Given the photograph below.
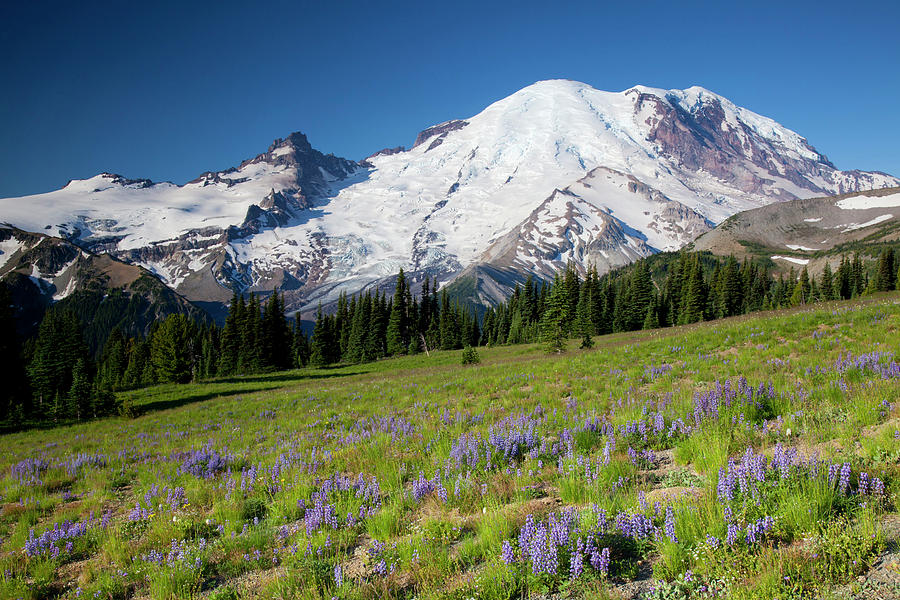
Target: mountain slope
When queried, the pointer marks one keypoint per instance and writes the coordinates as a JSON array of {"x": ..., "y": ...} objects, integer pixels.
[
  {"x": 557, "y": 171},
  {"x": 41, "y": 271},
  {"x": 810, "y": 231}
]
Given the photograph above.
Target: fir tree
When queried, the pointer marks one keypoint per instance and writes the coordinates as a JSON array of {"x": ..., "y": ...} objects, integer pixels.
[
  {"x": 58, "y": 347},
  {"x": 884, "y": 278},
  {"x": 695, "y": 294},
  {"x": 398, "y": 323},
  {"x": 80, "y": 393},
  {"x": 827, "y": 285},
  {"x": 553, "y": 321},
  {"x": 173, "y": 348},
  {"x": 300, "y": 346},
  {"x": 583, "y": 311},
  {"x": 231, "y": 337}
]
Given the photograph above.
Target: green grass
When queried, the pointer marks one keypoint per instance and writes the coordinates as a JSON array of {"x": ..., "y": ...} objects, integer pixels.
[{"x": 292, "y": 438}]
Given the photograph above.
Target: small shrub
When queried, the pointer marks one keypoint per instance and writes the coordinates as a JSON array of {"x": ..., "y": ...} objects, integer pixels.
[{"x": 470, "y": 356}]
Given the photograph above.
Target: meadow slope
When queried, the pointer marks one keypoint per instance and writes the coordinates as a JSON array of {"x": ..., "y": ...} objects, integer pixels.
[{"x": 753, "y": 457}]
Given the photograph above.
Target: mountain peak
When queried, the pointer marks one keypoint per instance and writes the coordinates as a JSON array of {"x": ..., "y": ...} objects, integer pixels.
[{"x": 295, "y": 142}]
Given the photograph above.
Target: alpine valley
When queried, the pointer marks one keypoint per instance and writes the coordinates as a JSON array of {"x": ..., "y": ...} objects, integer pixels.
[{"x": 558, "y": 172}]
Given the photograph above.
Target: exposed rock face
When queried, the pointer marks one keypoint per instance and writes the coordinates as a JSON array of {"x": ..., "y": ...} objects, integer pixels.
[
  {"x": 437, "y": 133},
  {"x": 556, "y": 172},
  {"x": 578, "y": 225}
]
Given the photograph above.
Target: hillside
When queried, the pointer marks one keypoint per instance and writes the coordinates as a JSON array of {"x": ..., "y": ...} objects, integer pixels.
[
  {"x": 104, "y": 292},
  {"x": 751, "y": 457},
  {"x": 809, "y": 231}
]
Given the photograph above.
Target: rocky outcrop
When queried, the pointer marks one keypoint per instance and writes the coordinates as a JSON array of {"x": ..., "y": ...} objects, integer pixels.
[{"x": 437, "y": 133}]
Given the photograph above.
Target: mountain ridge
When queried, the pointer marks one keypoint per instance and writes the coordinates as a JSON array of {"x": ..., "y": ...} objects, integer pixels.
[{"x": 557, "y": 171}]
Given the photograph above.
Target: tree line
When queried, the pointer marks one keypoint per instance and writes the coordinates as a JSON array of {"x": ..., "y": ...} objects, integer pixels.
[
  {"x": 669, "y": 289},
  {"x": 55, "y": 377}
]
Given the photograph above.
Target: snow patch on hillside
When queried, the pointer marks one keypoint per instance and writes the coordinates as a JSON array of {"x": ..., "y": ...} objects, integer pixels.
[
  {"x": 793, "y": 259},
  {"x": 866, "y": 202},
  {"x": 875, "y": 221}
]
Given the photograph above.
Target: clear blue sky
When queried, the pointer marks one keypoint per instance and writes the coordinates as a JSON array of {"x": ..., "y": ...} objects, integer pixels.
[{"x": 169, "y": 90}]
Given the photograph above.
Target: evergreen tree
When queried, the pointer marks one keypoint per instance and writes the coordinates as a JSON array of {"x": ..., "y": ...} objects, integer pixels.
[
  {"x": 113, "y": 361},
  {"x": 553, "y": 321},
  {"x": 583, "y": 310},
  {"x": 276, "y": 336},
  {"x": 398, "y": 323},
  {"x": 139, "y": 370},
  {"x": 231, "y": 337},
  {"x": 827, "y": 285},
  {"x": 80, "y": 393},
  {"x": 58, "y": 347},
  {"x": 173, "y": 349},
  {"x": 321, "y": 352},
  {"x": 651, "y": 321},
  {"x": 695, "y": 294},
  {"x": 884, "y": 278},
  {"x": 301, "y": 349},
  {"x": 731, "y": 289},
  {"x": 641, "y": 294}
]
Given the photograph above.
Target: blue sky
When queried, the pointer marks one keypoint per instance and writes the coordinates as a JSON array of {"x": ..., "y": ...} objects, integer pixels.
[{"x": 169, "y": 90}]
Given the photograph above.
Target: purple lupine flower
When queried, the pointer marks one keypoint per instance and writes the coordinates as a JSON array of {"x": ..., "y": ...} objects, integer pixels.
[
  {"x": 507, "y": 554},
  {"x": 602, "y": 564},
  {"x": 577, "y": 566},
  {"x": 670, "y": 524},
  {"x": 863, "y": 484},
  {"x": 845, "y": 479},
  {"x": 731, "y": 534}
]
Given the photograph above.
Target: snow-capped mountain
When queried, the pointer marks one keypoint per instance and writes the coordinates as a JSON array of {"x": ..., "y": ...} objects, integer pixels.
[{"x": 557, "y": 171}]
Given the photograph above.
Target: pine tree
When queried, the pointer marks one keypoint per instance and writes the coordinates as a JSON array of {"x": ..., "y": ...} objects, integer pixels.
[
  {"x": 651, "y": 321},
  {"x": 276, "y": 336},
  {"x": 173, "y": 349},
  {"x": 731, "y": 292},
  {"x": 884, "y": 278},
  {"x": 695, "y": 295},
  {"x": 640, "y": 295},
  {"x": 231, "y": 337},
  {"x": 80, "y": 393},
  {"x": 398, "y": 323},
  {"x": 320, "y": 348},
  {"x": 827, "y": 285},
  {"x": 58, "y": 347},
  {"x": 553, "y": 321},
  {"x": 583, "y": 311},
  {"x": 300, "y": 346}
]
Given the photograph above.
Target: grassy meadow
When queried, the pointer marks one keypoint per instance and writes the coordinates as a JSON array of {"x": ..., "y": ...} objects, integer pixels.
[{"x": 754, "y": 457}]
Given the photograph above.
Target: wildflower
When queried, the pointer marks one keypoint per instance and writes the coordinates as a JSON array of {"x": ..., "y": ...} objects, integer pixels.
[
  {"x": 670, "y": 524},
  {"x": 506, "y": 554}
]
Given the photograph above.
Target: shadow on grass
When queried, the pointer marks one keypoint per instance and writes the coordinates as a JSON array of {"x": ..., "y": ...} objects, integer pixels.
[
  {"x": 275, "y": 381},
  {"x": 282, "y": 377}
]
